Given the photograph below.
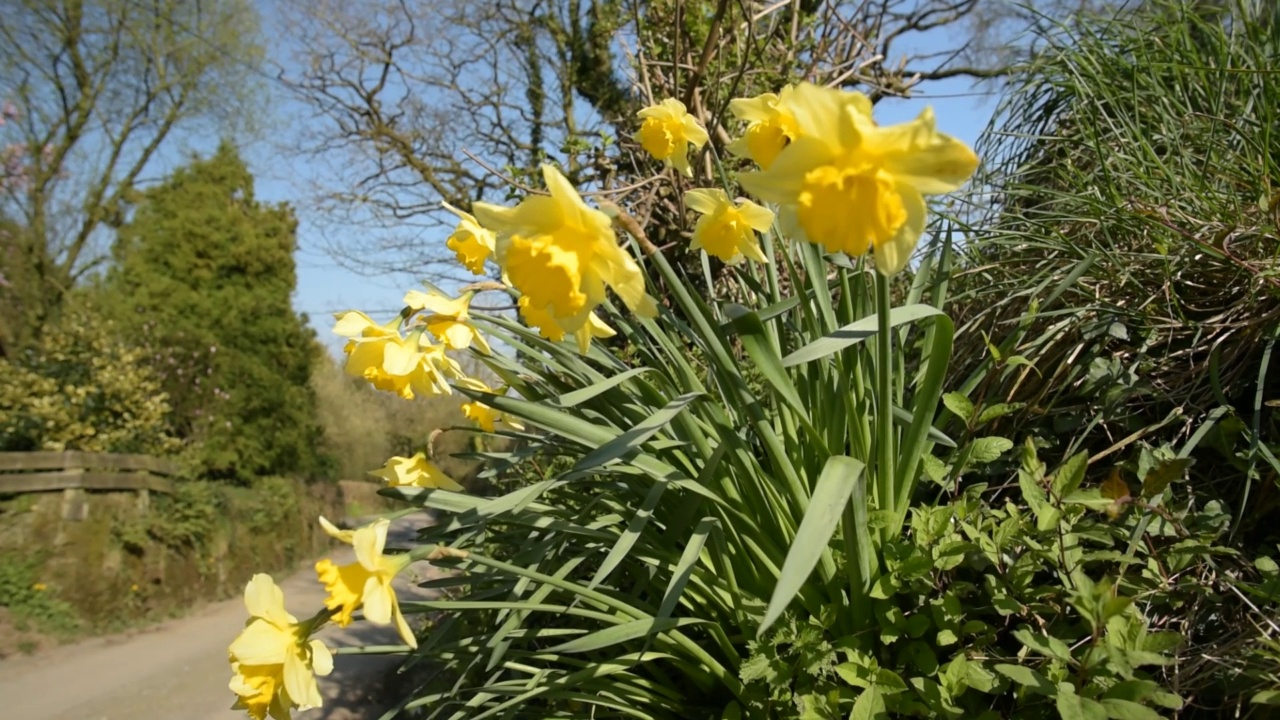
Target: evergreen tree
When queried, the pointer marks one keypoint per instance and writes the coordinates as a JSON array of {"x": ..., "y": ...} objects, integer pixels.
[{"x": 202, "y": 276}]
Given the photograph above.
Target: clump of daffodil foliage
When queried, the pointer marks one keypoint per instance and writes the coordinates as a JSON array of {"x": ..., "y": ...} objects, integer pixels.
[{"x": 727, "y": 524}]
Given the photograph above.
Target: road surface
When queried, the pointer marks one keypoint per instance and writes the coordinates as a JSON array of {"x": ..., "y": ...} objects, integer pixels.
[{"x": 178, "y": 670}]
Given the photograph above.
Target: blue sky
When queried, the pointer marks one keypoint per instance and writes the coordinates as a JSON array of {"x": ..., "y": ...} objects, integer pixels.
[{"x": 325, "y": 286}]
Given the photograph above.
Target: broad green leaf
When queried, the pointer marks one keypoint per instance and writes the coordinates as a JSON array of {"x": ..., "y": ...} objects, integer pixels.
[
  {"x": 1165, "y": 472},
  {"x": 869, "y": 706},
  {"x": 984, "y": 450},
  {"x": 1073, "y": 707},
  {"x": 1027, "y": 677},
  {"x": 960, "y": 405},
  {"x": 1070, "y": 474},
  {"x": 634, "y": 437},
  {"x": 1046, "y": 645},
  {"x": 856, "y": 332},
  {"x": 1266, "y": 697},
  {"x": 834, "y": 488},
  {"x": 999, "y": 410},
  {"x": 1128, "y": 710}
]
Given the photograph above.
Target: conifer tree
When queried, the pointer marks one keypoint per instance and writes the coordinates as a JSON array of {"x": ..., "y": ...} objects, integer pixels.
[{"x": 202, "y": 276}]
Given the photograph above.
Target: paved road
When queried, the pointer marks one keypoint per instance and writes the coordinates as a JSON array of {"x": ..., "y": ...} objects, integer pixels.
[{"x": 178, "y": 670}]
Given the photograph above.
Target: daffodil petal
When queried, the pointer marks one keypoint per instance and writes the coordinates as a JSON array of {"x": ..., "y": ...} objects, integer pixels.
[
  {"x": 261, "y": 643},
  {"x": 264, "y": 599},
  {"x": 299, "y": 681},
  {"x": 351, "y": 323},
  {"x": 402, "y": 626},
  {"x": 757, "y": 218},
  {"x": 321, "y": 658},
  {"x": 705, "y": 200},
  {"x": 369, "y": 542},
  {"x": 334, "y": 531},
  {"x": 377, "y": 601},
  {"x": 892, "y": 256}
]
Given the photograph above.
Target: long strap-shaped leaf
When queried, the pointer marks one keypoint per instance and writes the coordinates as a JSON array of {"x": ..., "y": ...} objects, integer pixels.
[
  {"x": 834, "y": 488},
  {"x": 856, "y": 332}
]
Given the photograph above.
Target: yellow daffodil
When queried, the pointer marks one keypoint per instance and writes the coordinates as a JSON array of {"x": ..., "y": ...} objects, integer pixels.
[
  {"x": 366, "y": 350},
  {"x": 551, "y": 330},
  {"x": 727, "y": 230},
  {"x": 485, "y": 417},
  {"x": 771, "y": 126},
  {"x": 416, "y": 471},
  {"x": 274, "y": 661},
  {"x": 448, "y": 319},
  {"x": 561, "y": 255},
  {"x": 366, "y": 582},
  {"x": 667, "y": 132},
  {"x": 405, "y": 365},
  {"x": 471, "y": 243},
  {"x": 848, "y": 184}
]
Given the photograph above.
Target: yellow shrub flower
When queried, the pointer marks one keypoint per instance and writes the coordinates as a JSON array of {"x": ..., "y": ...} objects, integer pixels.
[
  {"x": 273, "y": 660},
  {"x": 771, "y": 126},
  {"x": 366, "y": 582},
  {"x": 471, "y": 243},
  {"x": 562, "y": 255},
  {"x": 485, "y": 417},
  {"x": 848, "y": 184},
  {"x": 667, "y": 132},
  {"x": 416, "y": 471},
  {"x": 551, "y": 330},
  {"x": 727, "y": 230},
  {"x": 448, "y": 319}
]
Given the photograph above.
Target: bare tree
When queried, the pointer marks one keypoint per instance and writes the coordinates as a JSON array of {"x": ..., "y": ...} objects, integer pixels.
[
  {"x": 459, "y": 100},
  {"x": 99, "y": 87}
]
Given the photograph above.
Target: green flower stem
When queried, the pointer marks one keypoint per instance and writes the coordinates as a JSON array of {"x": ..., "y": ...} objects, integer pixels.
[{"x": 886, "y": 497}]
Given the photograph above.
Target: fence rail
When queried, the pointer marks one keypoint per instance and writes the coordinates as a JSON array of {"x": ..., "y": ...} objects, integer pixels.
[{"x": 27, "y": 472}]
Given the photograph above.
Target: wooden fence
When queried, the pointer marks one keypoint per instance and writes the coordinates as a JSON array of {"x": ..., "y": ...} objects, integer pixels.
[{"x": 73, "y": 473}]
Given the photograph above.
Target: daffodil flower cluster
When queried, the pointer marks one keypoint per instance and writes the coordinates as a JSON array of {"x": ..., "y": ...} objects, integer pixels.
[{"x": 834, "y": 178}]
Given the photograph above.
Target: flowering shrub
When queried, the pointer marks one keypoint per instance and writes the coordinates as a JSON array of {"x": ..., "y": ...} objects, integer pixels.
[{"x": 79, "y": 388}]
